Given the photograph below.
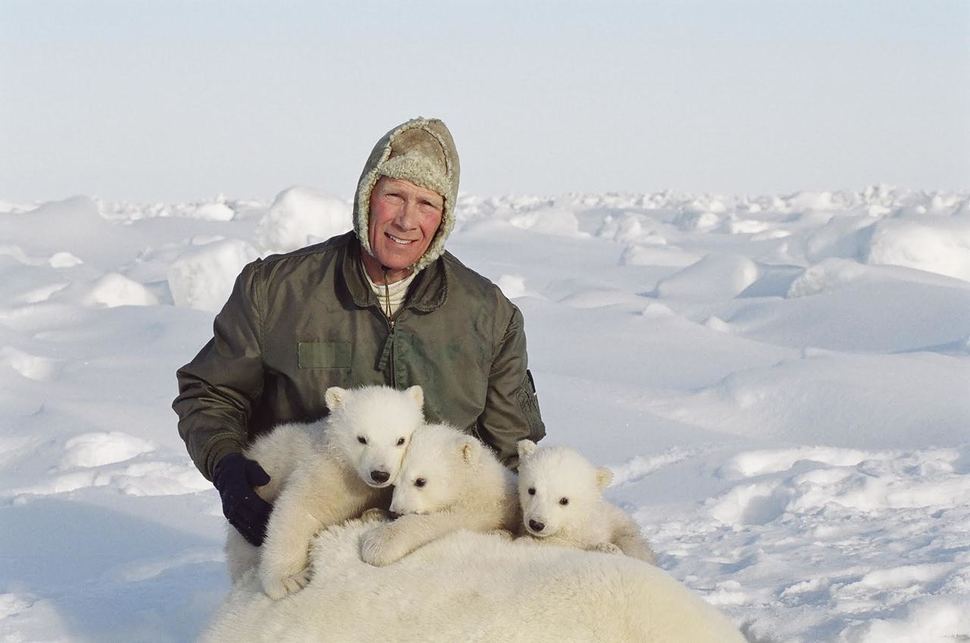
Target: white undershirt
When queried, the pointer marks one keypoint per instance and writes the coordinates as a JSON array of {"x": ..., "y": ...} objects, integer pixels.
[{"x": 391, "y": 298}]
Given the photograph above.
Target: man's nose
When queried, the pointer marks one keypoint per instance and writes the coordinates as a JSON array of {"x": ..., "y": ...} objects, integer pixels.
[{"x": 407, "y": 218}]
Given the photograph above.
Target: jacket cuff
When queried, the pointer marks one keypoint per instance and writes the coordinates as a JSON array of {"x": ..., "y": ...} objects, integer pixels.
[{"x": 216, "y": 450}]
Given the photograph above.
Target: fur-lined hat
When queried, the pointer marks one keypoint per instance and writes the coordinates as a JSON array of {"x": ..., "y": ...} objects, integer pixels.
[{"x": 422, "y": 152}]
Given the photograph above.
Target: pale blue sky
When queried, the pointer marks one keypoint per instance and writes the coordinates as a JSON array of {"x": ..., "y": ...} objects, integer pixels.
[{"x": 185, "y": 99}]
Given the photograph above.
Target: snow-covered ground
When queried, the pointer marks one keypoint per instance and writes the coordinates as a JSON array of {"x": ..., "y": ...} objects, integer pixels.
[{"x": 781, "y": 385}]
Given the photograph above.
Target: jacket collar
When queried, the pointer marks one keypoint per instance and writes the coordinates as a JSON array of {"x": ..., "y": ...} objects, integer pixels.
[{"x": 428, "y": 291}]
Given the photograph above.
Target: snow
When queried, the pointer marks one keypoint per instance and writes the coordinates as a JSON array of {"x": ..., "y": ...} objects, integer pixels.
[
  {"x": 716, "y": 276},
  {"x": 779, "y": 384},
  {"x": 299, "y": 217},
  {"x": 202, "y": 277},
  {"x": 114, "y": 289},
  {"x": 942, "y": 246},
  {"x": 512, "y": 286},
  {"x": 99, "y": 449}
]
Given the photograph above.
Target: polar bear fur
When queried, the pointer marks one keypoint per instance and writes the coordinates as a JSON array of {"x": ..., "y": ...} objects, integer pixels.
[
  {"x": 469, "y": 586},
  {"x": 561, "y": 495},
  {"x": 322, "y": 474},
  {"x": 448, "y": 481}
]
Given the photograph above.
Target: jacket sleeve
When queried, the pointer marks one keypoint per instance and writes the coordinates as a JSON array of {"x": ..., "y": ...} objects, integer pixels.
[
  {"x": 511, "y": 405},
  {"x": 218, "y": 388}
]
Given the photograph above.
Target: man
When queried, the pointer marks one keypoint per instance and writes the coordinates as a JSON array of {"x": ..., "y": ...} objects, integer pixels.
[{"x": 384, "y": 304}]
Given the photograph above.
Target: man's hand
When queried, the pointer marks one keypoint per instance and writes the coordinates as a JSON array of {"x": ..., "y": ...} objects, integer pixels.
[{"x": 235, "y": 476}]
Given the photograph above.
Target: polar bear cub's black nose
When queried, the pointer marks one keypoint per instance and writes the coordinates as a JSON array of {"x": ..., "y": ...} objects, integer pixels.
[
  {"x": 536, "y": 525},
  {"x": 380, "y": 476}
]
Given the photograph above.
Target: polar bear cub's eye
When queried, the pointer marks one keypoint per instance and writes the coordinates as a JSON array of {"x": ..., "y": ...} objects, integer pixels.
[
  {"x": 362, "y": 439},
  {"x": 564, "y": 501},
  {"x": 400, "y": 442},
  {"x": 420, "y": 482},
  {"x": 532, "y": 491}
]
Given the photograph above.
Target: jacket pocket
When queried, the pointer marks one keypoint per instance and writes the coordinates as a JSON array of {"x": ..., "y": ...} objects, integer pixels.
[
  {"x": 529, "y": 405},
  {"x": 324, "y": 354}
]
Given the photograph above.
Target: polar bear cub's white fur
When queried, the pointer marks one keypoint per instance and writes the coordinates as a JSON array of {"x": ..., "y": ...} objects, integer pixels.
[
  {"x": 561, "y": 495},
  {"x": 324, "y": 473},
  {"x": 448, "y": 481}
]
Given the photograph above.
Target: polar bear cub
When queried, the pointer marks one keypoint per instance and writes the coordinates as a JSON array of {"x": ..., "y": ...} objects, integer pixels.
[
  {"x": 448, "y": 481},
  {"x": 324, "y": 473},
  {"x": 561, "y": 496}
]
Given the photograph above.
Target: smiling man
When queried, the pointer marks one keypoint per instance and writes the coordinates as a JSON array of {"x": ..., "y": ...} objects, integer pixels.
[
  {"x": 383, "y": 304},
  {"x": 404, "y": 220}
]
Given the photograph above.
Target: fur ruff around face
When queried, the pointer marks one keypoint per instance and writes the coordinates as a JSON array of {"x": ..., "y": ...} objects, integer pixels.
[{"x": 422, "y": 152}]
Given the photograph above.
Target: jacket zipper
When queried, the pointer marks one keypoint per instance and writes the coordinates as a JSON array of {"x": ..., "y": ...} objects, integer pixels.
[
  {"x": 390, "y": 323},
  {"x": 391, "y": 336}
]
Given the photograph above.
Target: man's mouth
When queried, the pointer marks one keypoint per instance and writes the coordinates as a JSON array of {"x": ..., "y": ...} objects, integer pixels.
[{"x": 398, "y": 240}]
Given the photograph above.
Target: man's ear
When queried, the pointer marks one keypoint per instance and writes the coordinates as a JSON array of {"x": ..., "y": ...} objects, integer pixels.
[
  {"x": 335, "y": 397},
  {"x": 525, "y": 448},
  {"x": 604, "y": 477},
  {"x": 416, "y": 393},
  {"x": 471, "y": 449}
]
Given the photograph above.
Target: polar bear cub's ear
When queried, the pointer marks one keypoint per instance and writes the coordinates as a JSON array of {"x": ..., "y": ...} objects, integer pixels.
[
  {"x": 335, "y": 397},
  {"x": 470, "y": 449},
  {"x": 525, "y": 448},
  {"x": 416, "y": 393},
  {"x": 603, "y": 478}
]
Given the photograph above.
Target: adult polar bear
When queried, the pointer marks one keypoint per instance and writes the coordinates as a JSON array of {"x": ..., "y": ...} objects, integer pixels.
[{"x": 471, "y": 587}]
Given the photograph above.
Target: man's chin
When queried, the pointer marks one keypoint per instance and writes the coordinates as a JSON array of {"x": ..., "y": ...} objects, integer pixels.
[{"x": 395, "y": 257}]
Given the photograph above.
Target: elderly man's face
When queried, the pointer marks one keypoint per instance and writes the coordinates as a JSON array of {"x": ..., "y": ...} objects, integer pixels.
[{"x": 403, "y": 221}]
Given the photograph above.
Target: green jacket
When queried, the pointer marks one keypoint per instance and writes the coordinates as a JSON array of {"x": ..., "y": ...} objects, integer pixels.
[{"x": 301, "y": 322}]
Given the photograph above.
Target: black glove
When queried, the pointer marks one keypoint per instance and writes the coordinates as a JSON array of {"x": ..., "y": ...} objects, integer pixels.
[{"x": 235, "y": 476}]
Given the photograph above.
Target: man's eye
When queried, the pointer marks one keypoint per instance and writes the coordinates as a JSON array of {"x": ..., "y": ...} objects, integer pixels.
[
  {"x": 420, "y": 482},
  {"x": 362, "y": 439}
]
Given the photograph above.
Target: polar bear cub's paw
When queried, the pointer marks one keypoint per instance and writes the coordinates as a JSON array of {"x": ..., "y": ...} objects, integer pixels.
[
  {"x": 606, "y": 548},
  {"x": 379, "y": 547},
  {"x": 375, "y": 514},
  {"x": 277, "y": 588}
]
